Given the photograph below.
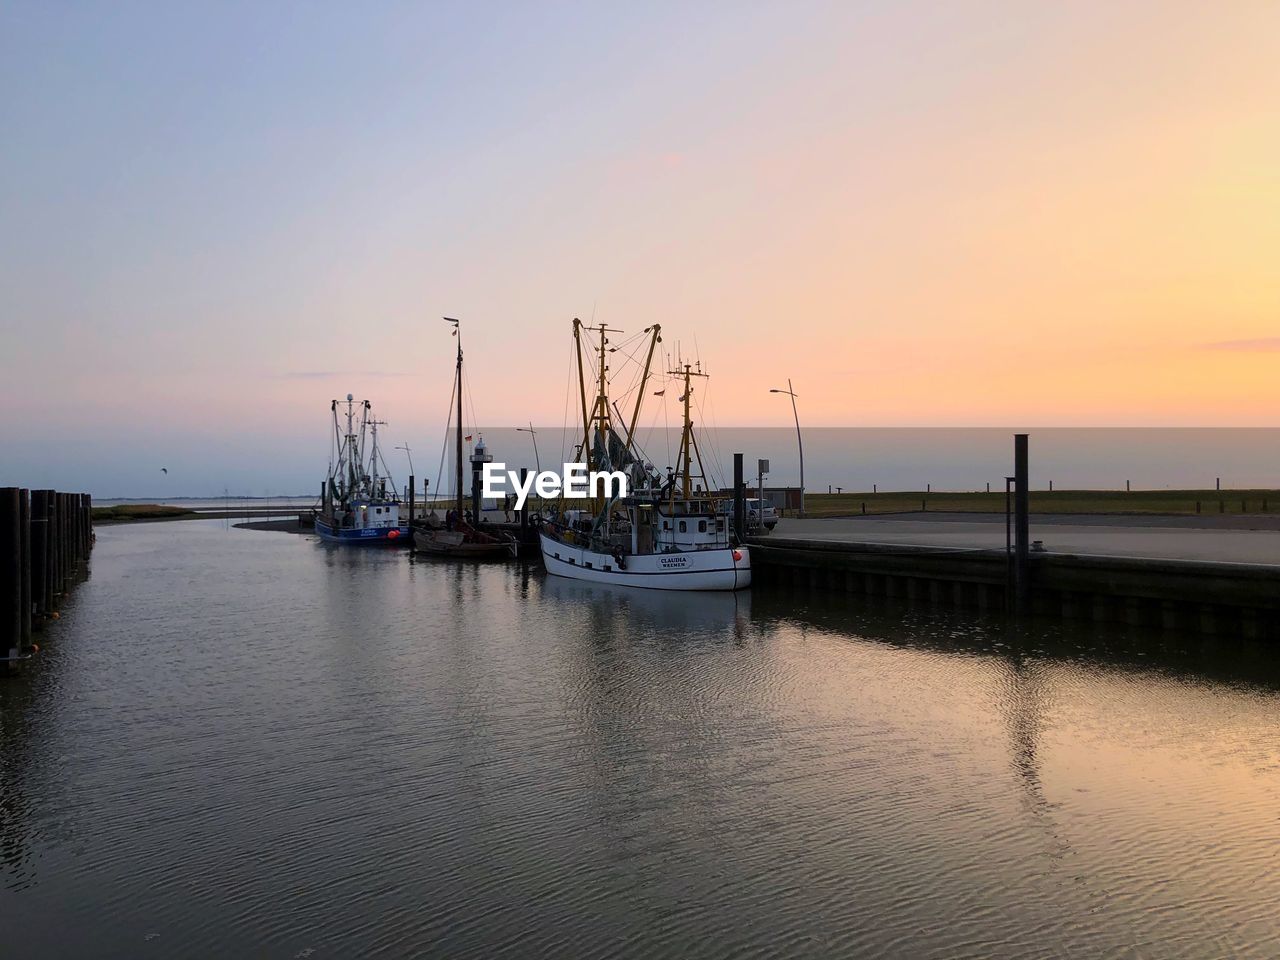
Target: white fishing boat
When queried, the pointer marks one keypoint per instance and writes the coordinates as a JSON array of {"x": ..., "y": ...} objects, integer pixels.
[
  {"x": 664, "y": 535},
  {"x": 359, "y": 503}
]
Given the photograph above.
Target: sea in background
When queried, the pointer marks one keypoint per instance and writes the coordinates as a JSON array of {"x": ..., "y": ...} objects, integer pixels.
[
  {"x": 854, "y": 458},
  {"x": 238, "y": 743},
  {"x": 894, "y": 458}
]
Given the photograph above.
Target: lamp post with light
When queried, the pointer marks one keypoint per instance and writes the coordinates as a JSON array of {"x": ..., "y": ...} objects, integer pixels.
[
  {"x": 533, "y": 433},
  {"x": 799, "y": 442}
]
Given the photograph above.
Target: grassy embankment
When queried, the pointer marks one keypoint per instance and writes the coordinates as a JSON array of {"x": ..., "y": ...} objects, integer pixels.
[
  {"x": 130, "y": 512},
  {"x": 1044, "y": 501}
]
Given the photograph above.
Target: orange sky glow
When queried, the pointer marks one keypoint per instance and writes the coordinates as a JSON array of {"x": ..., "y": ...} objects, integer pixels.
[{"x": 923, "y": 214}]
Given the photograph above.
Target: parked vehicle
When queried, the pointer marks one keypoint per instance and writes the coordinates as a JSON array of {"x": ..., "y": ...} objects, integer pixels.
[{"x": 752, "y": 505}]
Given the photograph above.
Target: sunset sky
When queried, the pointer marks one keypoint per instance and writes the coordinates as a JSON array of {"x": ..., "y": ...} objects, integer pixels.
[{"x": 214, "y": 219}]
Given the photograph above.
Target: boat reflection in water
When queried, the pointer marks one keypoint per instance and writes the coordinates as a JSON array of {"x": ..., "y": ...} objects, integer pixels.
[{"x": 637, "y": 610}]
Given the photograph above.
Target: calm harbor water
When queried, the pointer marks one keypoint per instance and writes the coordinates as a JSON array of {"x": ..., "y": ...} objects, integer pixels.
[{"x": 240, "y": 743}]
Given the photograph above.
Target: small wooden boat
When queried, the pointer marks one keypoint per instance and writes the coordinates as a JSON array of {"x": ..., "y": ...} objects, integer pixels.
[
  {"x": 464, "y": 542},
  {"x": 459, "y": 539}
]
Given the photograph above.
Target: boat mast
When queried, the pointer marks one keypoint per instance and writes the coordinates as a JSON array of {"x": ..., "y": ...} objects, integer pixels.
[
  {"x": 373, "y": 460},
  {"x": 457, "y": 480},
  {"x": 366, "y": 406},
  {"x": 686, "y": 438},
  {"x": 351, "y": 447},
  {"x": 582, "y": 391},
  {"x": 656, "y": 339},
  {"x": 600, "y": 413}
]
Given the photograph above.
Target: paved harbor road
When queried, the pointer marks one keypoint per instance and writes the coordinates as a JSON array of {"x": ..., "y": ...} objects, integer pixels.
[{"x": 1230, "y": 539}]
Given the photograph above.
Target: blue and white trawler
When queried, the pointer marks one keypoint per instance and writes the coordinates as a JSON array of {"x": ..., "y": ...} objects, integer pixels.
[{"x": 359, "y": 503}]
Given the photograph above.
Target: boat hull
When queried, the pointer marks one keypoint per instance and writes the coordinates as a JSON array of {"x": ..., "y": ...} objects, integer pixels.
[
  {"x": 445, "y": 544},
  {"x": 716, "y": 569},
  {"x": 384, "y": 536}
]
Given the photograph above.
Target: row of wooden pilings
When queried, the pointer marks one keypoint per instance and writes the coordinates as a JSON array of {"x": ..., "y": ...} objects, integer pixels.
[{"x": 45, "y": 539}]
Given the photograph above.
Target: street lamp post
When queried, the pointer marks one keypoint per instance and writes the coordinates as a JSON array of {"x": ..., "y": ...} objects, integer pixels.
[
  {"x": 408, "y": 453},
  {"x": 533, "y": 433},
  {"x": 799, "y": 442}
]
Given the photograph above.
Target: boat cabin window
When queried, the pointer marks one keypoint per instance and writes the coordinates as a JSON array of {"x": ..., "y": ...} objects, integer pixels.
[
  {"x": 702, "y": 526},
  {"x": 683, "y": 526}
]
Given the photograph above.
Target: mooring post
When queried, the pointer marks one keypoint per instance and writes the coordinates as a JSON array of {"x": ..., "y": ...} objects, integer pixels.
[
  {"x": 64, "y": 545},
  {"x": 524, "y": 511},
  {"x": 412, "y": 488},
  {"x": 1009, "y": 586},
  {"x": 77, "y": 530},
  {"x": 475, "y": 490},
  {"x": 82, "y": 532},
  {"x": 73, "y": 553},
  {"x": 10, "y": 575},
  {"x": 1021, "y": 523},
  {"x": 64, "y": 548},
  {"x": 68, "y": 557},
  {"x": 39, "y": 548},
  {"x": 24, "y": 569},
  {"x": 48, "y": 604},
  {"x": 88, "y": 521},
  {"x": 83, "y": 503},
  {"x": 52, "y": 558},
  {"x": 739, "y": 500},
  {"x": 55, "y": 534}
]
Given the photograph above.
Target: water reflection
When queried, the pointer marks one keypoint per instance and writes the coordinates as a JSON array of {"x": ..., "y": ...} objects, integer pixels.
[
  {"x": 348, "y": 752},
  {"x": 633, "y": 610}
]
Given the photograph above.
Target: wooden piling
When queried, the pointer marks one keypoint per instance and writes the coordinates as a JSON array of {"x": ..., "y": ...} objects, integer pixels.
[
  {"x": 60, "y": 534},
  {"x": 39, "y": 553},
  {"x": 524, "y": 511},
  {"x": 68, "y": 555},
  {"x": 24, "y": 569},
  {"x": 739, "y": 501},
  {"x": 10, "y": 575},
  {"x": 1021, "y": 523},
  {"x": 54, "y": 556}
]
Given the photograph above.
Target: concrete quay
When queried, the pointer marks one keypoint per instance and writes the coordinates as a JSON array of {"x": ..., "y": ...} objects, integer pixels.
[{"x": 1177, "y": 573}]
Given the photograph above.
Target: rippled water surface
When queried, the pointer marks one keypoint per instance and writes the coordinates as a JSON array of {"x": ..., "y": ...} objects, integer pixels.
[{"x": 240, "y": 743}]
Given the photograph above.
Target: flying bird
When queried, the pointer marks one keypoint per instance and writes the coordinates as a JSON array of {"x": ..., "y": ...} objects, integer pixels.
[{"x": 164, "y": 469}]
